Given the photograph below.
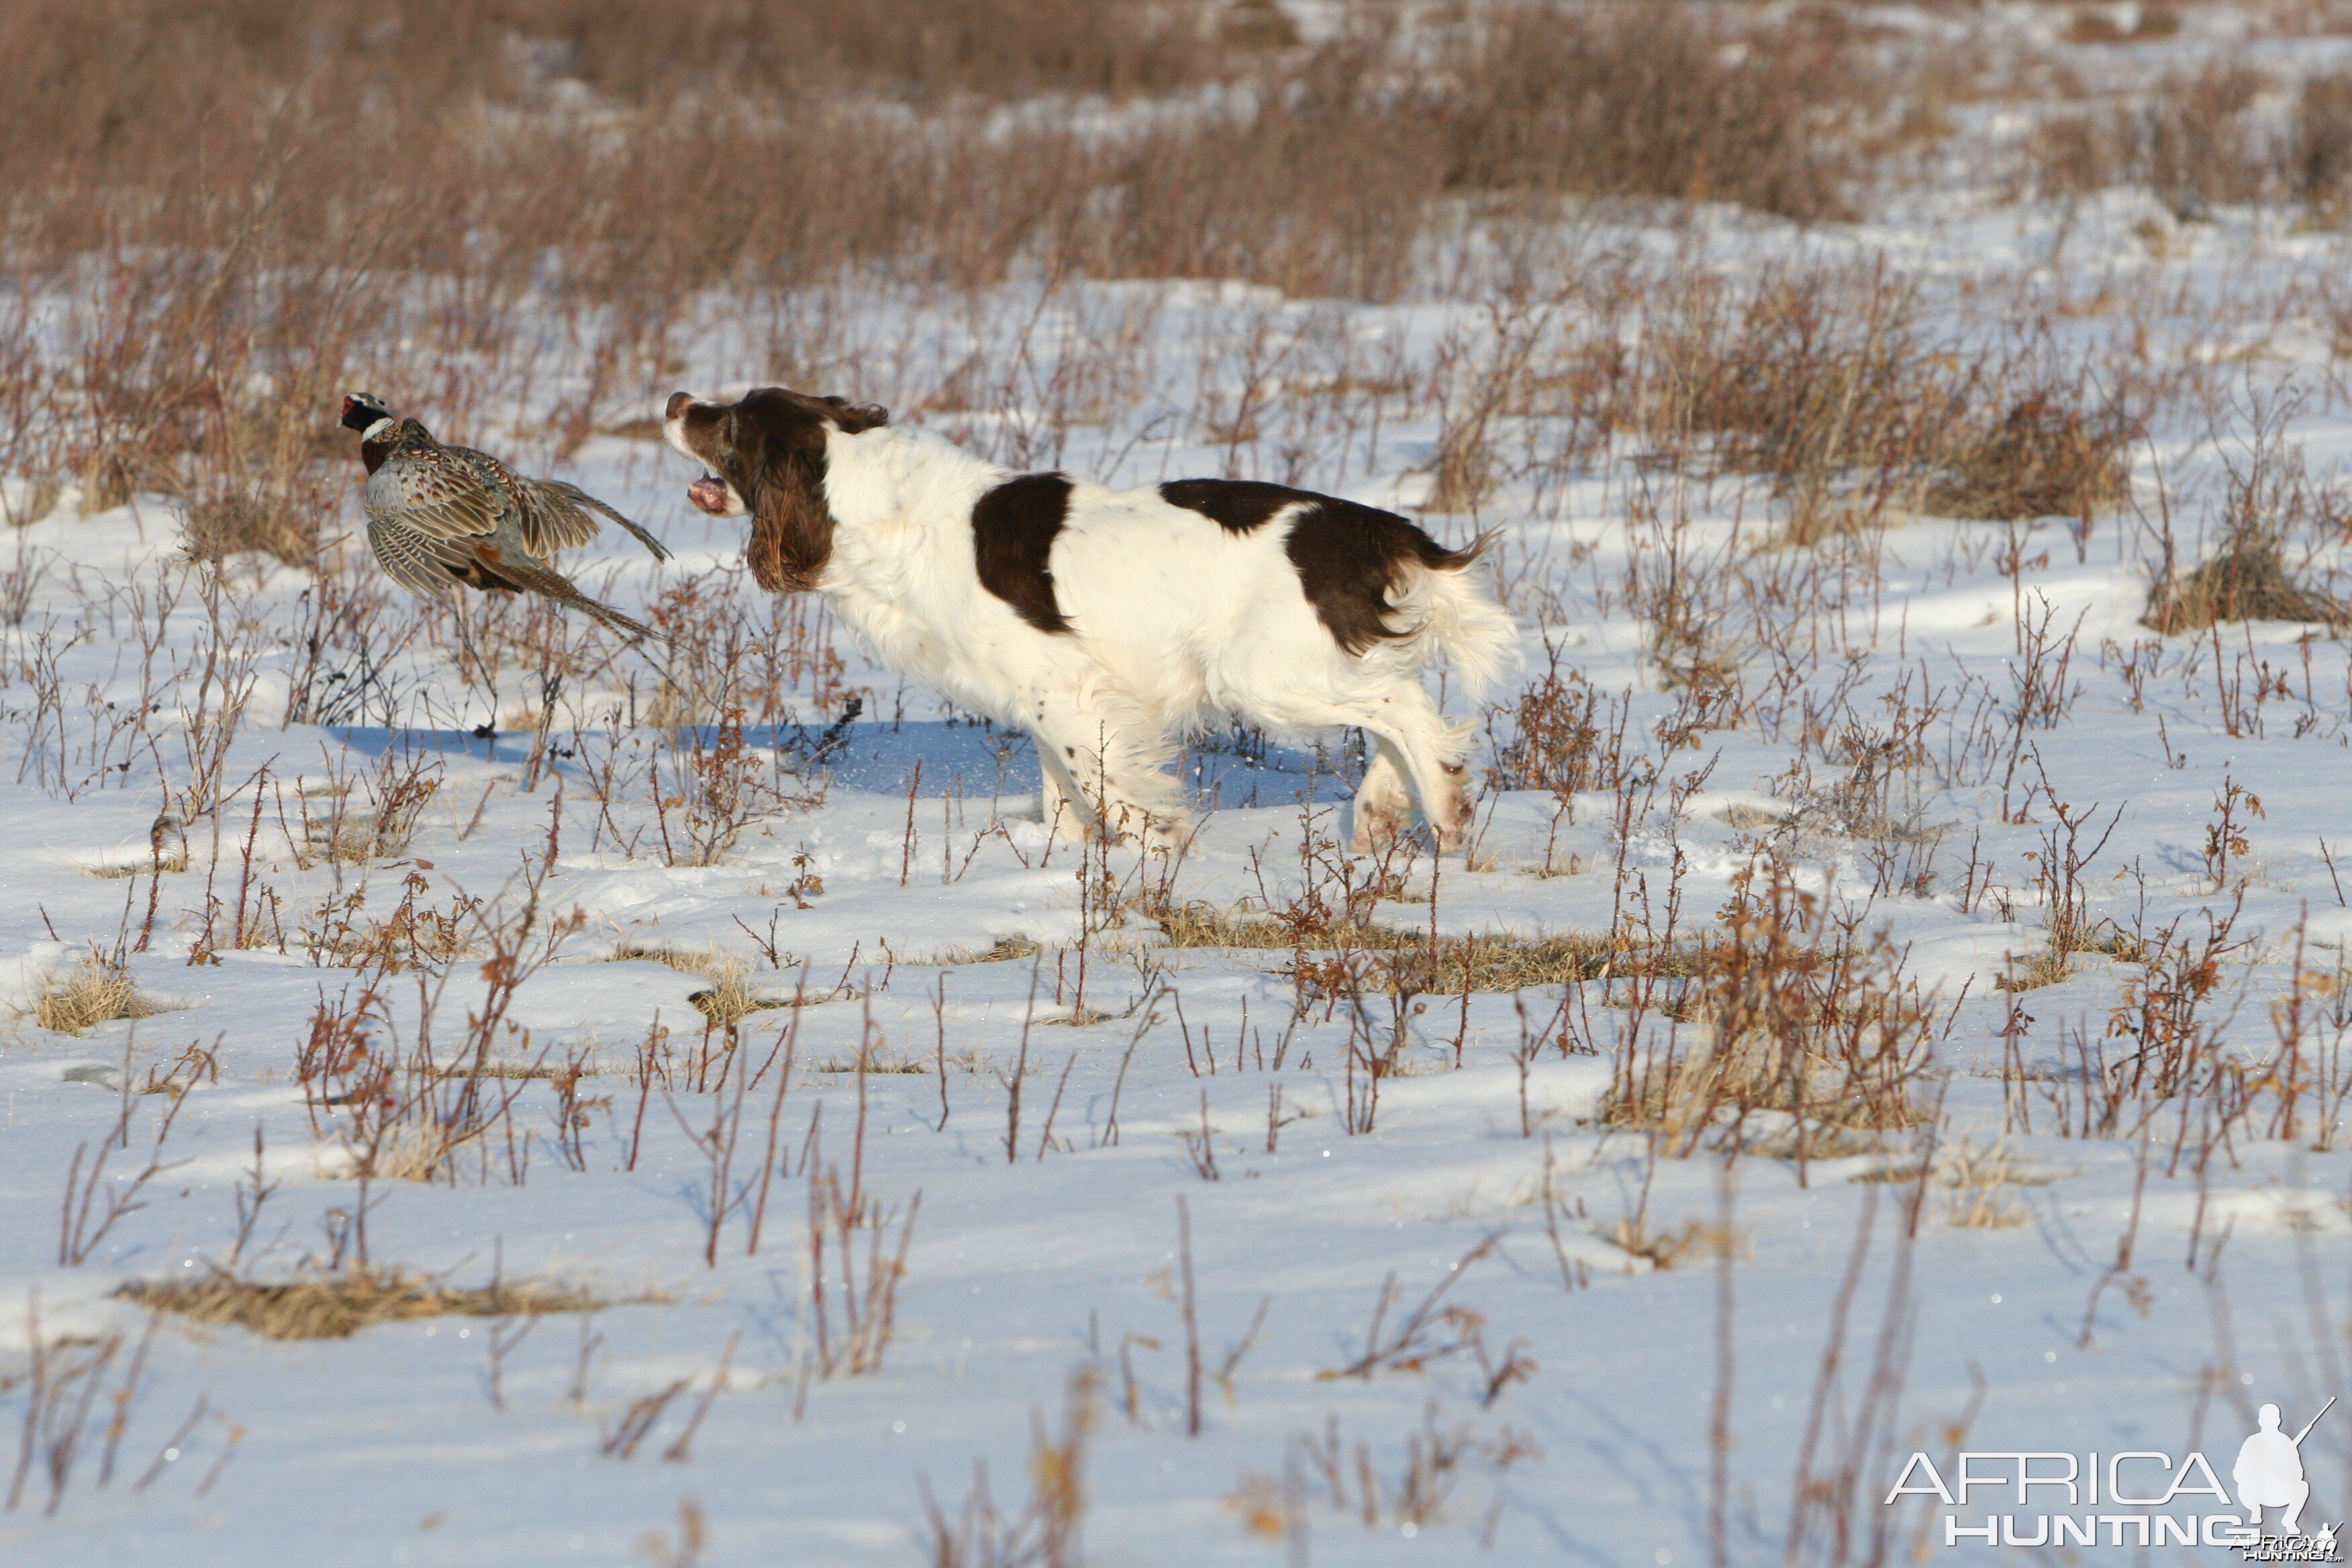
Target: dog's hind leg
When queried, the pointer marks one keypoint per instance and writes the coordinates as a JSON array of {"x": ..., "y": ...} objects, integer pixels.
[
  {"x": 1383, "y": 804},
  {"x": 1419, "y": 744}
]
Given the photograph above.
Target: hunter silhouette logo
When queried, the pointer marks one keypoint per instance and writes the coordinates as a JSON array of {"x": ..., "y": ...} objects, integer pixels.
[
  {"x": 2140, "y": 1497},
  {"x": 2269, "y": 1471}
]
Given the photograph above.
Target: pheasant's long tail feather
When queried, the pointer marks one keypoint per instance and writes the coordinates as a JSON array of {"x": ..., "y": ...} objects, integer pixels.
[
  {"x": 555, "y": 586},
  {"x": 579, "y": 496}
]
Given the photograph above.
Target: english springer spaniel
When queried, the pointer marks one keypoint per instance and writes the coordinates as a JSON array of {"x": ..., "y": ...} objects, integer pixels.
[{"x": 1101, "y": 620}]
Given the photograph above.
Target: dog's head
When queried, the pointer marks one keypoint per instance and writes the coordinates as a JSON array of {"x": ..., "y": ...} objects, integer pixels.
[{"x": 764, "y": 455}]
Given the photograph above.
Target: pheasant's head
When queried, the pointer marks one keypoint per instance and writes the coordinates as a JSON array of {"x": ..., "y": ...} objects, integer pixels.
[{"x": 363, "y": 410}]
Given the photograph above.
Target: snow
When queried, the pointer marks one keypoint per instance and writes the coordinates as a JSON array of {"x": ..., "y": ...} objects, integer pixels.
[{"x": 1025, "y": 1266}]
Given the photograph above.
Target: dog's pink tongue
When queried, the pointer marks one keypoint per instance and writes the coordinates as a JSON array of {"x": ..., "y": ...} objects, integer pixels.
[{"x": 710, "y": 495}]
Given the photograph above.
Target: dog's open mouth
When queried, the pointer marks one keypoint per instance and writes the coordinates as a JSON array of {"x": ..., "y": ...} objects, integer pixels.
[{"x": 708, "y": 494}]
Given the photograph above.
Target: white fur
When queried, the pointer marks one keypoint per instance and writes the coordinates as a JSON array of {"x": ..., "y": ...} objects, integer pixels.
[{"x": 1174, "y": 618}]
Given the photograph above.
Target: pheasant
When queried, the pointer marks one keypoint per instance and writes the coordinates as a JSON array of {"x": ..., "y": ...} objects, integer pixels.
[{"x": 438, "y": 515}]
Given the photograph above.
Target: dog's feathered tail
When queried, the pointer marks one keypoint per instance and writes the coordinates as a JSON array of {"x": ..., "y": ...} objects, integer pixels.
[{"x": 1447, "y": 600}]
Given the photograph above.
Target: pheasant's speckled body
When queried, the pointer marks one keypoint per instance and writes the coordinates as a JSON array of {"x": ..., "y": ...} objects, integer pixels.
[{"x": 441, "y": 515}]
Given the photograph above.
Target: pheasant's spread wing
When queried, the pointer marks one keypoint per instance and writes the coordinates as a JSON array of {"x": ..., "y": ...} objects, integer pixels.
[
  {"x": 417, "y": 561},
  {"x": 553, "y": 517},
  {"x": 431, "y": 494},
  {"x": 581, "y": 502}
]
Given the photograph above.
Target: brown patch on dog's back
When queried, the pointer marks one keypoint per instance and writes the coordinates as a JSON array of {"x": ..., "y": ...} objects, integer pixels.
[
  {"x": 1349, "y": 557},
  {"x": 1237, "y": 506},
  {"x": 1012, "y": 529},
  {"x": 1347, "y": 554}
]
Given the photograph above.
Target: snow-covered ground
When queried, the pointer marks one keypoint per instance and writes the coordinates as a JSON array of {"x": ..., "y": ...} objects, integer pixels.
[{"x": 1157, "y": 1218}]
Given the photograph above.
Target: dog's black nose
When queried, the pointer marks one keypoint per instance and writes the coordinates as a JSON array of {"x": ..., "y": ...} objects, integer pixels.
[{"x": 679, "y": 402}]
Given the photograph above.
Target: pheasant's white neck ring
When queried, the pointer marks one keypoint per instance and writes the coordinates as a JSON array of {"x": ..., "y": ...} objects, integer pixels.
[{"x": 381, "y": 430}]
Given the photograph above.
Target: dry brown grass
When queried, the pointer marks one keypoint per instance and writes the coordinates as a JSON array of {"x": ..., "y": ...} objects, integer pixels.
[
  {"x": 1394, "y": 959},
  {"x": 2030, "y": 971},
  {"x": 2046, "y": 455},
  {"x": 1003, "y": 951},
  {"x": 91, "y": 993},
  {"x": 1205, "y": 925},
  {"x": 1981, "y": 1178},
  {"x": 2248, "y": 580},
  {"x": 2198, "y": 142},
  {"x": 336, "y": 1305},
  {"x": 2088, "y": 25},
  {"x": 729, "y": 998}
]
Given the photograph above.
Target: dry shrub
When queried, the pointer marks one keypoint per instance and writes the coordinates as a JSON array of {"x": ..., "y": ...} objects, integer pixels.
[
  {"x": 336, "y": 1304},
  {"x": 2045, "y": 455},
  {"x": 1649, "y": 98},
  {"x": 2193, "y": 144},
  {"x": 413, "y": 935},
  {"x": 1047, "y": 1532},
  {"x": 733, "y": 648},
  {"x": 2198, "y": 142},
  {"x": 1829, "y": 382},
  {"x": 2320, "y": 149},
  {"x": 1799, "y": 1020},
  {"x": 1825, "y": 381},
  {"x": 1566, "y": 736},
  {"x": 2269, "y": 503},
  {"x": 94, "y": 992},
  {"x": 220, "y": 129},
  {"x": 233, "y": 523},
  {"x": 2247, "y": 580}
]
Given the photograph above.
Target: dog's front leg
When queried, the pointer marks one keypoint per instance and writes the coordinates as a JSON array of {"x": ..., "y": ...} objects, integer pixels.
[
  {"x": 1105, "y": 764},
  {"x": 1061, "y": 803}
]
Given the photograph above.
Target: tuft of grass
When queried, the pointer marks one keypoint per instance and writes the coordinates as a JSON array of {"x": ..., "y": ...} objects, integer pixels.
[
  {"x": 2248, "y": 580},
  {"x": 1391, "y": 960},
  {"x": 2033, "y": 971},
  {"x": 1664, "y": 1248},
  {"x": 1205, "y": 925},
  {"x": 92, "y": 992},
  {"x": 1004, "y": 950},
  {"x": 1981, "y": 1179},
  {"x": 728, "y": 999},
  {"x": 338, "y": 1304},
  {"x": 2090, "y": 25},
  {"x": 2045, "y": 457}
]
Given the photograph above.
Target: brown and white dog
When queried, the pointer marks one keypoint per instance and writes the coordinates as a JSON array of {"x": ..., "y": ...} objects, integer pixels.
[{"x": 1101, "y": 621}]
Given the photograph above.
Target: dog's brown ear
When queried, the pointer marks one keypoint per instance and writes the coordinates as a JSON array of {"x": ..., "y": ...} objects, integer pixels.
[
  {"x": 856, "y": 419},
  {"x": 791, "y": 527}
]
